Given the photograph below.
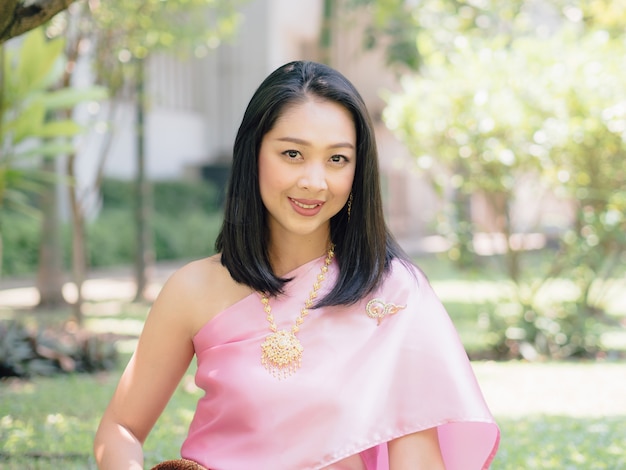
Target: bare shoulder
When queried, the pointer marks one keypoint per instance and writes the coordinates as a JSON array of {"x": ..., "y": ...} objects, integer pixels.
[{"x": 202, "y": 289}]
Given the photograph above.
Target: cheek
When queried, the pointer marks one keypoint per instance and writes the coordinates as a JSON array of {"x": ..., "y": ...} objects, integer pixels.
[
  {"x": 269, "y": 177},
  {"x": 344, "y": 185}
]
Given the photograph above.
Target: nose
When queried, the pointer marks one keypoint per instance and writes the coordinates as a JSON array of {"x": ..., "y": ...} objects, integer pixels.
[{"x": 313, "y": 177}]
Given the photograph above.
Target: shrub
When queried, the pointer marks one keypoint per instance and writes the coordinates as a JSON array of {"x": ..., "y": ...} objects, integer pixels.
[
  {"x": 20, "y": 243},
  {"x": 185, "y": 222},
  {"x": 190, "y": 235},
  {"x": 169, "y": 197},
  {"x": 111, "y": 238}
]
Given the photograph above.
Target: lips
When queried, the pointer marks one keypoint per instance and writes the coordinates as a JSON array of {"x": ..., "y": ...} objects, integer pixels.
[{"x": 306, "y": 207}]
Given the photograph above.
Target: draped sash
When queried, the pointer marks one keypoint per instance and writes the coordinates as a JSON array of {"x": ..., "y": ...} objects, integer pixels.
[{"x": 362, "y": 383}]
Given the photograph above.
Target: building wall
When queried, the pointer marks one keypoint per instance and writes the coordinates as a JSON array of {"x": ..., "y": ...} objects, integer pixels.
[
  {"x": 196, "y": 105},
  {"x": 410, "y": 204}
]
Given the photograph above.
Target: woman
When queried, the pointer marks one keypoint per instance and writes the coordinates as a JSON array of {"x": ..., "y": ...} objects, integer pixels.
[{"x": 319, "y": 345}]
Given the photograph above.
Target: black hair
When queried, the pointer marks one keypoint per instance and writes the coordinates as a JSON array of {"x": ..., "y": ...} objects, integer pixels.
[{"x": 364, "y": 246}]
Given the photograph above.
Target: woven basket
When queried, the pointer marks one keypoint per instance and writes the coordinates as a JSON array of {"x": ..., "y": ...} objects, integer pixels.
[{"x": 179, "y": 464}]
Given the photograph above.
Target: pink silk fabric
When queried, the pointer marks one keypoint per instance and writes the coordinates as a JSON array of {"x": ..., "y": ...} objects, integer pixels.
[{"x": 361, "y": 384}]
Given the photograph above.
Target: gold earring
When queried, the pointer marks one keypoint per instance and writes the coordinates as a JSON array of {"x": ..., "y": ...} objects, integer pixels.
[{"x": 349, "y": 206}]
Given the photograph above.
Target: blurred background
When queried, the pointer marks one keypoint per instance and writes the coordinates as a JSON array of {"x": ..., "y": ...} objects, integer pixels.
[{"x": 501, "y": 129}]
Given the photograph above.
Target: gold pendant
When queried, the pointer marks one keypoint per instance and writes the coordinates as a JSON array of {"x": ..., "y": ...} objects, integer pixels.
[{"x": 282, "y": 353}]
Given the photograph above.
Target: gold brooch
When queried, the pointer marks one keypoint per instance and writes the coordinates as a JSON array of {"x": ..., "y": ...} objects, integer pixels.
[{"x": 378, "y": 309}]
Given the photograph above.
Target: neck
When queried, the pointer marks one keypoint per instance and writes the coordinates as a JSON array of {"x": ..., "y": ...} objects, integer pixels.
[{"x": 286, "y": 255}]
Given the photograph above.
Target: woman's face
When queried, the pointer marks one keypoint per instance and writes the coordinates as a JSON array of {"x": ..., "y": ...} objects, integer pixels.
[{"x": 306, "y": 168}]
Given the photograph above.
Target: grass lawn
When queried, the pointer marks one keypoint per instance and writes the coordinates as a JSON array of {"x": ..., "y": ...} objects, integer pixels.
[
  {"x": 50, "y": 422},
  {"x": 552, "y": 415}
]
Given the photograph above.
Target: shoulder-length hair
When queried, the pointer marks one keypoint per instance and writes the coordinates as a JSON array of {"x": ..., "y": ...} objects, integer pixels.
[{"x": 363, "y": 244}]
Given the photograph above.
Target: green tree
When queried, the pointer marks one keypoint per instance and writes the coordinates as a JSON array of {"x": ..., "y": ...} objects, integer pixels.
[
  {"x": 123, "y": 35},
  {"x": 552, "y": 107},
  {"x": 586, "y": 97},
  {"x": 417, "y": 33},
  {"x": 30, "y": 131},
  {"x": 414, "y": 34},
  {"x": 456, "y": 125}
]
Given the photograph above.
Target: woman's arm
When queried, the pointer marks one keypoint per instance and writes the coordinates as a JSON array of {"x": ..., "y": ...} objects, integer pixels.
[
  {"x": 163, "y": 354},
  {"x": 417, "y": 451}
]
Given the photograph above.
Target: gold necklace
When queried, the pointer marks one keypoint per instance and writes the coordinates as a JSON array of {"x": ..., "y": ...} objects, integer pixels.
[{"x": 282, "y": 350}]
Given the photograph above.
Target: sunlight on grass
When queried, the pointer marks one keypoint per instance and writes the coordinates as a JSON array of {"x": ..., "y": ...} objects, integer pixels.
[
  {"x": 561, "y": 443},
  {"x": 51, "y": 422},
  {"x": 120, "y": 326},
  {"x": 553, "y": 416},
  {"x": 56, "y": 417},
  {"x": 517, "y": 389}
]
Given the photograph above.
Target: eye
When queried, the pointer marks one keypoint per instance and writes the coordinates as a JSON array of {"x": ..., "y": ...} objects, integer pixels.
[
  {"x": 339, "y": 159},
  {"x": 292, "y": 154}
]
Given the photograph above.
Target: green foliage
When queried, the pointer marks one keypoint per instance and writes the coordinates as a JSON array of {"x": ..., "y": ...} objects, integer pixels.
[
  {"x": 185, "y": 225},
  {"x": 29, "y": 129},
  {"x": 110, "y": 238},
  {"x": 451, "y": 118},
  {"x": 477, "y": 123},
  {"x": 185, "y": 236},
  {"x": 123, "y": 32},
  {"x": 416, "y": 34},
  {"x": 170, "y": 198},
  {"x": 599, "y": 15},
  {"x": 191, "y": 235},
  {"x": 471, "y": 123},
  {"x": 153, "y": 25},
  {"x": 393, "y": 25},
  {"x": 587, "y": 138},
  {"x": 20, "y": 237},
  {"x": 117, "y": 194},
  {"x": 173, "y": 198},
  {"x": 27, "y": 74}
]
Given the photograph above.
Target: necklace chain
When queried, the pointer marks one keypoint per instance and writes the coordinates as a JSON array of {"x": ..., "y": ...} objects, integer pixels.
[{"x": 281, "y": 350}]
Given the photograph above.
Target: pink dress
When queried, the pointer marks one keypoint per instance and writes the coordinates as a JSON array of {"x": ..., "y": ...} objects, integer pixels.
[{"x": 362, "y": 383}]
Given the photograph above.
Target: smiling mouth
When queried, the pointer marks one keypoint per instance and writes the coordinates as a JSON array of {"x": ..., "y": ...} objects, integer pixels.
[{"x": 304, "y": 206}]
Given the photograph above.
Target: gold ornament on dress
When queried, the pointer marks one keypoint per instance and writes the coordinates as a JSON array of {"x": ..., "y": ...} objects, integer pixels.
[
  {"x": 282, "y": 350},
  {"x": 379, "y": 309}
]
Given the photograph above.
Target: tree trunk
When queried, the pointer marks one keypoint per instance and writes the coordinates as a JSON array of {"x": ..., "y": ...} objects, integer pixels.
[
  {"x": 18, "y": 16},
  {"x": 79, "y": 258},
  {"x": 79, "y": 250},
  {"x": 1, "y": 144},
  {"x": 144, "y": 256},
  {"x": 326, "y": 35},
  {"x": 50, "y": 274}
]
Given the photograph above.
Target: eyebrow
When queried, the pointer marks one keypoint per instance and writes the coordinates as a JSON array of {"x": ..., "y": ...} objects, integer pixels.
[{"x": 295, "y": 140}]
